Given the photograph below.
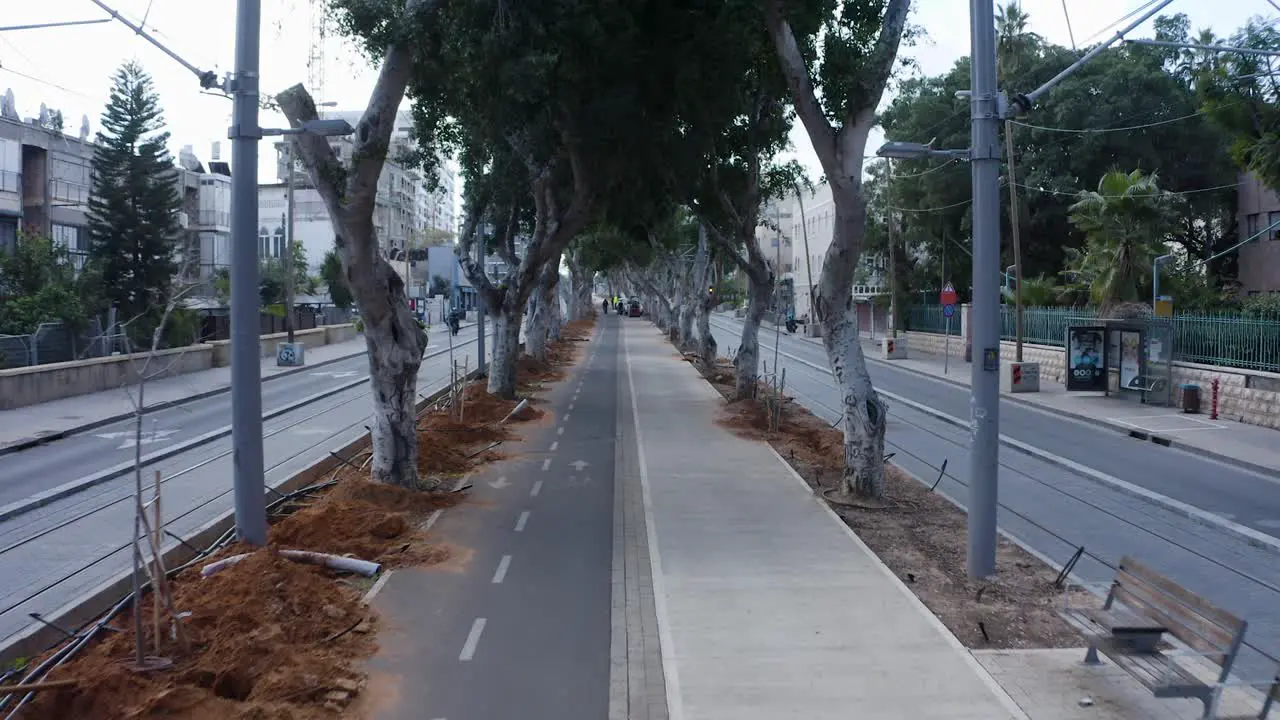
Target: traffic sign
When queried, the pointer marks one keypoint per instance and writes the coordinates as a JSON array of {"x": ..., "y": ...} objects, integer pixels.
[
  {"x": 948, "y": 310},
  {"x": 948, "y": 295}
]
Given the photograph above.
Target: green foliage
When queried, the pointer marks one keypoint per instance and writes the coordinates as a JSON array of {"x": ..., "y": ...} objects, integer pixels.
[
  {"x": 332, "y": 276},
  {"x": 439, "y": 285},
  {"x": 1239, "y": 94},
  {"x": 1266, "y": 307},
  {"x": 133, "y": 206},
  {"x": 1125, "y": 222},
  {"x": 1141, "y": 87},
  {"x": 38, "y": 284}
]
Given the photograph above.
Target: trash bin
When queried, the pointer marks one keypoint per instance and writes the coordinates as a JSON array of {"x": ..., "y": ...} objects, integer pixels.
[{"x": 1190, "y": 398}]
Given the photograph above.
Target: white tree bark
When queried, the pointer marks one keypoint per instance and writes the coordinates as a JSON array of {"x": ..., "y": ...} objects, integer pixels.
[
  {"x": 394, "y": 339},
  {"x": 840, "y": 151},
  {"x": 702, "y": 300},
  {"x": 747, "y": 362},
  {"x": 579, "y": 305},
  {"x": 541, "y": 309},
  {"x": 506, "y": 351},
  {"x": 556, "y": 326}
]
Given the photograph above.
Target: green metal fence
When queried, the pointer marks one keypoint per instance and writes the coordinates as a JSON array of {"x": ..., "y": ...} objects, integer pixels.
[
  {"x": 1213, "y": 339},
  {"x": 1043, "y": 325},
  {"x": 929, "y": 318}
]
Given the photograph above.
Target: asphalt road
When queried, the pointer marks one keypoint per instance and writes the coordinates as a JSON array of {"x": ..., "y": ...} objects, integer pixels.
[
  {"x": 53, "y": 554},
  {"x": 1054, "y": 511},
  {"x": 1243, "y": 496},
  {"x": 30, "y": 471},
  {"x": 517, "y": 624}
]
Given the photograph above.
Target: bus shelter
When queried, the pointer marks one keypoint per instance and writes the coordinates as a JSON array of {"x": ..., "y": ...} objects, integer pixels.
[{"x": 1128, "y": 357}]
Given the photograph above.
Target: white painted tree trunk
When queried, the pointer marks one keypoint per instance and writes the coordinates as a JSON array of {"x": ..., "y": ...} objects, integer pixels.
[
  {"x": 506, "y": 351},
  {"x": 541, "y": 301},
  {"x": 579, "y": 302},
  {"x": 864, "y": 412},
  {"x": 747, "y": 362},
  {"x": 701, "y": 300},
  {"x": 556, "y": 313}
]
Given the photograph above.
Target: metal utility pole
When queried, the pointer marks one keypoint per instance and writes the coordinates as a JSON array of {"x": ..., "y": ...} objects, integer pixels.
[
  {"x": 985, "y": 311},
  {"x": 481, "y": 365},
  {"x": 289, "y": 288},
  {"x": 246, "y": 378}
]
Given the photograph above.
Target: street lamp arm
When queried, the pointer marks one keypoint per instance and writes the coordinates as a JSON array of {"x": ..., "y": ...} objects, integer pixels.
[
  {"x": 1024, "y": 103},
  {"x": 208, "y": 79},
  {"x": 64, "y": 23}
]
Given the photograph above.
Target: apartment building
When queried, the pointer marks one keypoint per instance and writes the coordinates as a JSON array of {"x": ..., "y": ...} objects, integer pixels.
[
  {"x": 1259, "y": 262},
  {"x": 774, "y": 236},
  {"x": 812, "y": 225},
  {"x": 45, "y": 178}
]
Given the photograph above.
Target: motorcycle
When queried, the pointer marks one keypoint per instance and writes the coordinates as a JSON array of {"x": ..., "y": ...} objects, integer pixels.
[{"x": 791, "y": 325}]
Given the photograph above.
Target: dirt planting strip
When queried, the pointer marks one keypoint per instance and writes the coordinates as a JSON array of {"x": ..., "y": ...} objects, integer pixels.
[
  {"x": 269, "y": 638},
  {"x": 918, "y": 534}
]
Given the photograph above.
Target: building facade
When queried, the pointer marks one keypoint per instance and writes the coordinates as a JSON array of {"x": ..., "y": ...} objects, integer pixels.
[
  {"x": 812, "y": 226},
  {"x": 1259, "y": 260},
  {"x": 45, "y": 178}
]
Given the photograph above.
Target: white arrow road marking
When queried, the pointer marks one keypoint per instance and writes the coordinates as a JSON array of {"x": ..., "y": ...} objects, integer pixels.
[
  {"x": 132, "y": 440},
  {"x": 499, "y": 483},
  {"x": 579, "y": 464},
  {"x": 337, "y": 374}
]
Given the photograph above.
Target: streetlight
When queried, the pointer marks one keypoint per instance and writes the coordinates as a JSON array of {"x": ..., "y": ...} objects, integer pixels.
[{"x": 989, "y": 107}]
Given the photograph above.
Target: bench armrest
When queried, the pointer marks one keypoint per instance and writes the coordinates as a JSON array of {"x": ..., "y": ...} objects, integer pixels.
[{"x": 1171, "y": 657}]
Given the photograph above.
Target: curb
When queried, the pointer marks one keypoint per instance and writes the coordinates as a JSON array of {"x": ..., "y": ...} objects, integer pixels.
[
  {"x": 1156, "y": 439},
  {"x": 39, "y": 500},
  {"x": 27, "y": 444},
  {"x": 1254, "y": 538},
  {"x": 86, "y": 608}
]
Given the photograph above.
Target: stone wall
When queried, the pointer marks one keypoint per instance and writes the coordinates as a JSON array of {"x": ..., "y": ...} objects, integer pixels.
[
  {"x": 24, "y": 386},
  {"x": 1247, "y": 396},
  {"x": 35, "y": 384}
]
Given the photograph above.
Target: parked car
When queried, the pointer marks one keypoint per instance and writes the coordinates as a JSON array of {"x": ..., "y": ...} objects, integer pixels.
[{"x": 633, "y": 308}]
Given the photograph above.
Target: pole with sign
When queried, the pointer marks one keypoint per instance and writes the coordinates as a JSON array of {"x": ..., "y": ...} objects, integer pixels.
[{"x": 948, "y": 299}]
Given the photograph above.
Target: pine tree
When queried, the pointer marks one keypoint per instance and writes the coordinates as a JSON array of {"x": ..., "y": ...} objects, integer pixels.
[{"x": 133, "y": 208}]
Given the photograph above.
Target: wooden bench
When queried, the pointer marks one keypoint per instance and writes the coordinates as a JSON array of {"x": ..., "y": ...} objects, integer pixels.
[{"x": 1141, "y": 607}]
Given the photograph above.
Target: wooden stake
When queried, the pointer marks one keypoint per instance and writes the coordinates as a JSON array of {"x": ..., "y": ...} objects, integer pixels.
[{"x": 158, "y": 575}]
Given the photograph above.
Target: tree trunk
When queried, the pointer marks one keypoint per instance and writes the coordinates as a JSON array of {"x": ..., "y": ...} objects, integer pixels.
[
  {"x": 701, "y": 299},
  {"x": 506, "y": 351},
  {"x": 864, "y": 413},
  {"x": 555, "y": 316},
  {"x": 395, "y": 395},
  {"x": 707, "y": 346},
  {"x": 579, "y": 302},
  {"x": 541, "y": 302},
  {"x": 747, "y": 362}
]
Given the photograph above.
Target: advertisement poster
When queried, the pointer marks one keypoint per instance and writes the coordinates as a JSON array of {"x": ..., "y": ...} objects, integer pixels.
[
  {"x": 1130, "y": 361},
  {"x": 1086, "y": 368}
]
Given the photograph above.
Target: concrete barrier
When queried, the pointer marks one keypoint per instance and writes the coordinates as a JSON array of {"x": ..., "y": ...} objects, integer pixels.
[
  {"x": 314, "y": 337},
  {"x": 35, "y": 384}
]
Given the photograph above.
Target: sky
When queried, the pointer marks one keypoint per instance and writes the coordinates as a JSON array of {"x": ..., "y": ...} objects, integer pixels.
[{"x": 70, "y": 68}]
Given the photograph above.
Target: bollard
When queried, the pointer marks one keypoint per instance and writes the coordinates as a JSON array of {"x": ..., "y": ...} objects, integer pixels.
[{"x": 1213, "y": 406}]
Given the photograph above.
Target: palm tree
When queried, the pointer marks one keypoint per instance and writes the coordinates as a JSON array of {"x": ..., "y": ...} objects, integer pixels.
[
  {"x": 1013, "y": 42},
  {"x": 1125, "y": 222}
]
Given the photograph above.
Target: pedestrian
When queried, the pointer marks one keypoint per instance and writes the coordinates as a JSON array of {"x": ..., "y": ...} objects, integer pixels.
[{"x": 606, "y": 306}]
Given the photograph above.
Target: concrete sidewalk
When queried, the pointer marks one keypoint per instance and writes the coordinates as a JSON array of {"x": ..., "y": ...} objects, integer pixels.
[
  {"x": 768, "y": 605},
  {"x": 35, "y": 424}
]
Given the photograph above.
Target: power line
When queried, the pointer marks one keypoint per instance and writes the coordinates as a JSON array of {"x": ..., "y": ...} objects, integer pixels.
[
  {"x": 932, "y": 209},
  {"x": 1146, "y": 195},
  {"x": 49, "y": 83},
  {"x": 1095, "y": 131},
  {"x": 934, "y": 169},
  {"x": 1110, "y": 25}
]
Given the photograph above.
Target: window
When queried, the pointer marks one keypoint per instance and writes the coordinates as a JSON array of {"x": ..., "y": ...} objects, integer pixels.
[
  {"x": 1251, "y": 225},
  {"x": 1273, "y": 222},
  {"x": 279, "y": 243},
  {"x": 264, "y": 239}
]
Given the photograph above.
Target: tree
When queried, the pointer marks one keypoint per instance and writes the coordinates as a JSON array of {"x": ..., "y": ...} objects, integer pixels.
[
  {"x": 331, "y": 275},
  {"x": 1239, "y": 93},
  {"x": 134, "y": 204},
  {"x": 859, "y": 47},
  {"x": 439, "y": 285},
  {"x": 38, "y": 284},
  {"x": 395, "y": 340},
  {"x": 1125, "y": 222}
]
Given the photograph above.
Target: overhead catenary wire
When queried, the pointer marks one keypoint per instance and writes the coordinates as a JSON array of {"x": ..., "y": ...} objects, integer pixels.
[
  {"x": 1098, "y": 131},
  {"x": 1074, "y": 193}
]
